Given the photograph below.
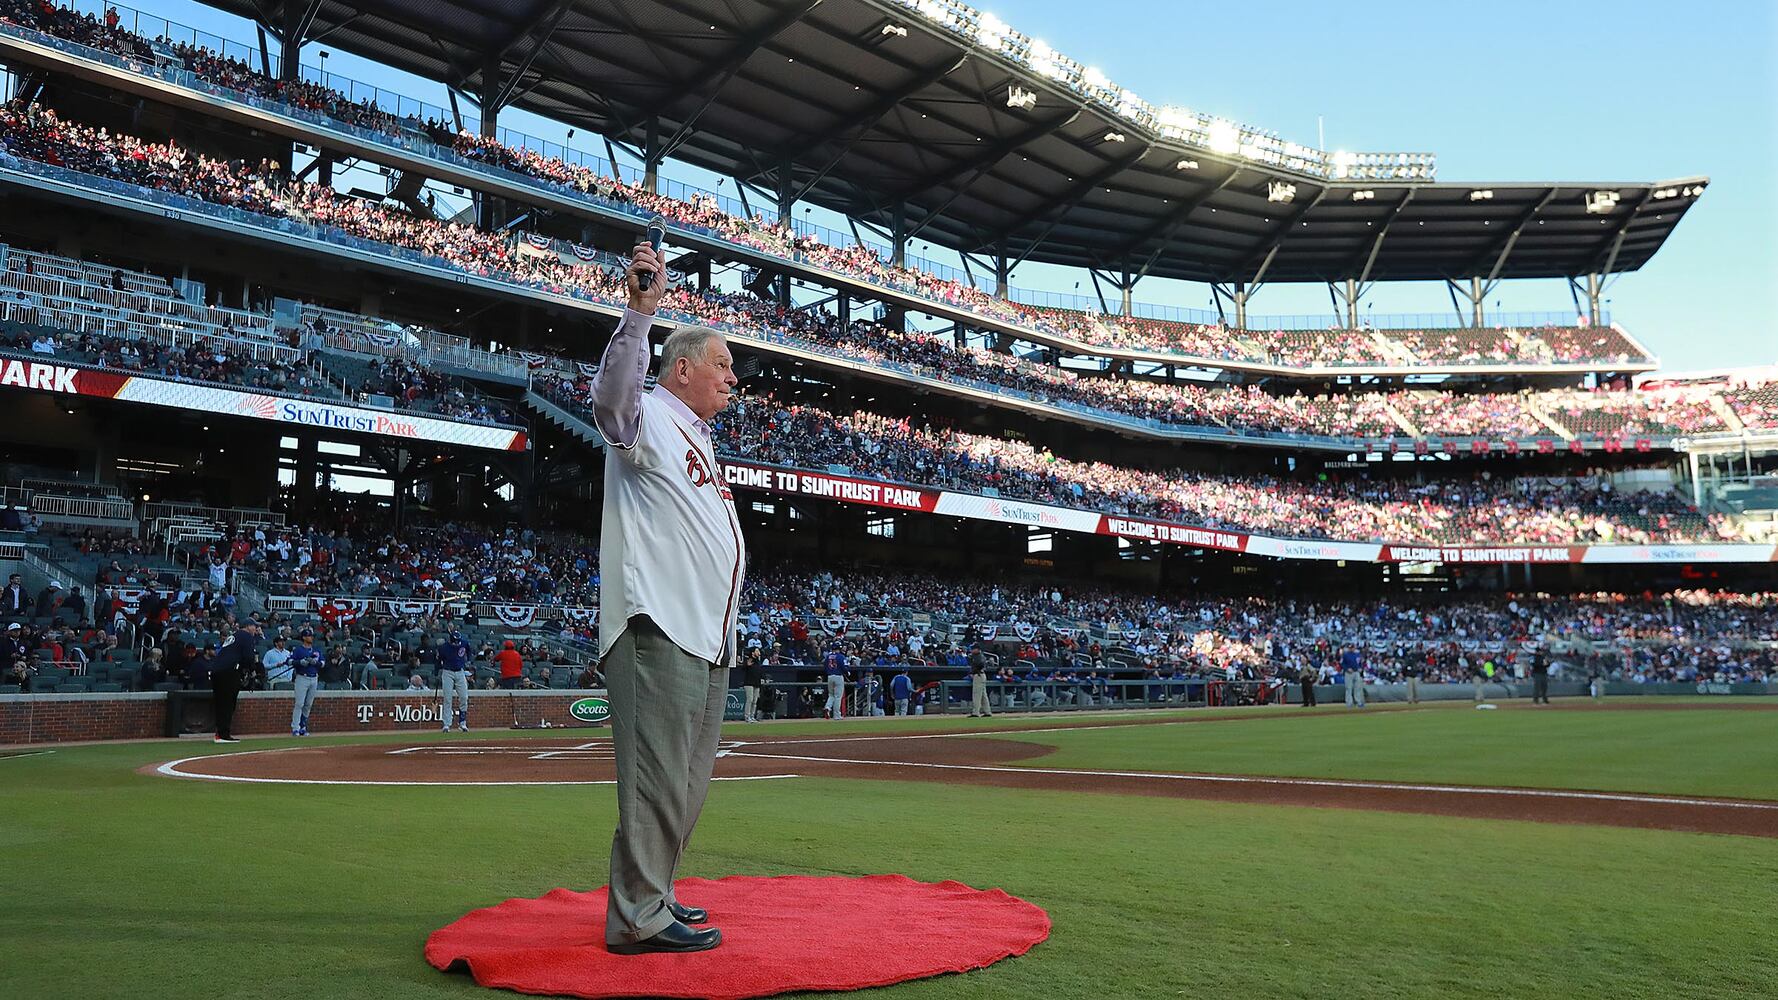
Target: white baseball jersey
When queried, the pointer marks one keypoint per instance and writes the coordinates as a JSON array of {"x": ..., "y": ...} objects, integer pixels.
[{"x": 671, "y": 546}]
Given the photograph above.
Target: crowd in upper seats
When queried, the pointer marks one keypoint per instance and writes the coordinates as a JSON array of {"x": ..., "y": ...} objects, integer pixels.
[
  {"x": 40, "y": 134},
  {"x": 414, "y": 386},
  {"x": 702, "y": 212},
  {"x": 210, "y": 360},
  {"x": 1477, "y": 509}
]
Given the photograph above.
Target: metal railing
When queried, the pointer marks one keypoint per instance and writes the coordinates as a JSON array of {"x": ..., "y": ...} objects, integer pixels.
[{"x": 116, "y": 508}]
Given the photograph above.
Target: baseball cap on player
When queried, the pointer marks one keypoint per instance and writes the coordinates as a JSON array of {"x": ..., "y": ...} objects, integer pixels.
[{"x": 455, "y": 635}]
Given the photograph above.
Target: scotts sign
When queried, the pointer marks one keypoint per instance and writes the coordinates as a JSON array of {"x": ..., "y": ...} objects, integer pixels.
[{"x": 590, "y": 710}]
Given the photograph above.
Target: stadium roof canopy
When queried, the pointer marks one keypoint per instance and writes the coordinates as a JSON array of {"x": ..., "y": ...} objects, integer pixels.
[{"x": 863, "y": 105}]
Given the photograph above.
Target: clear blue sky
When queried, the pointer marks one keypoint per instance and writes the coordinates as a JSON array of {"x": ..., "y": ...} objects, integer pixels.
[{"x": 1509, "y": 90}]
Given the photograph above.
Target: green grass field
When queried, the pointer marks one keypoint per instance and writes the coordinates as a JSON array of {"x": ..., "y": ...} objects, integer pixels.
[{"x": 117, "y": 884}]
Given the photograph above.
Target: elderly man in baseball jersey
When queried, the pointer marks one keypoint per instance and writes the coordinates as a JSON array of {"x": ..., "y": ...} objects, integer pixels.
[{"x": 671, "y": 555}]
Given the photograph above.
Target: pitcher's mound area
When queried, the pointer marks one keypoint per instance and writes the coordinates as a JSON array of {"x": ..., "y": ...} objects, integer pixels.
[{"x": 793, "y": 932}]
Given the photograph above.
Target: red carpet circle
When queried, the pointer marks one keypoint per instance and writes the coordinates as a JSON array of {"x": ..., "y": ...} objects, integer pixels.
[{"x": 792, "y": 932}]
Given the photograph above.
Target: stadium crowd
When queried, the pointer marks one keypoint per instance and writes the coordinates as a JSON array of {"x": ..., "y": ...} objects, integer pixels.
[
  {"x": 1060, "y": 635},
  {"x": 702, "y": 213},
  {"x": 1479, "y": 509},
  {"x": 39, "y": 134},
  {"x": 210, "y": 359}
]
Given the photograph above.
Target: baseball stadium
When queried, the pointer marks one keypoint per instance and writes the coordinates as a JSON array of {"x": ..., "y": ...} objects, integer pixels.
[{"x": 1075, "y": 625}]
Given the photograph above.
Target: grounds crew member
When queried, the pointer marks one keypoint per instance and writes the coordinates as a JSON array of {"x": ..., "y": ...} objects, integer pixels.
[
  {"x": 453, "y": 682},
  {"x": 1307, "y": 675},
  {"x": 753, "y": 673},
  {"x": 305, "y": 672},
  {"x": 1540, "y": 677},
  {"x": 1415, "y": 668},
  {"x": 978, "y": 683}
]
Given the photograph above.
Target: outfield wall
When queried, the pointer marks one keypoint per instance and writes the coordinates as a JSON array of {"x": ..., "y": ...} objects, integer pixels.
[
  {"x": 57, "y": 718},
  {"x": 60, "y": 718}
]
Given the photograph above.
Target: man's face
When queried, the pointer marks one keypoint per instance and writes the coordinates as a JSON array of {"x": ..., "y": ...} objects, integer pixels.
[{"x": 705, "y": 386}]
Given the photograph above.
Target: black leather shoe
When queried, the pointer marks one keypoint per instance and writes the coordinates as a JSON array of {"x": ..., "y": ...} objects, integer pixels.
[
  {"x": 688, "y": 914},
  {"x": 676, "y": 937}
]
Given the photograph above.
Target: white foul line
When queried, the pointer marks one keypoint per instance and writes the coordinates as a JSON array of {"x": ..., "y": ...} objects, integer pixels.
[
  {"x": 25, "y": 753},
  {"x": 171, "y": 770},
  {"x": 1311, "y": 782},
  {"x": 775, "y": 741}
]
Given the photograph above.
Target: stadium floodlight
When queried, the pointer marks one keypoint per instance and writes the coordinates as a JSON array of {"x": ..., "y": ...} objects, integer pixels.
[
  {"x": 1224, "y": 136},
  {"x": 1019, "y": 97},
  {"x": 1186, "y": 165},
  {"x": 1094, "y": 77},
  {"x": 1601, "y": 202},
  {"x": 1115, "y": 137},
  {"x": 1280, "y": 191},
  {"x": 1481, "y": 195},
  {"x": 1342, "y": 163},
  {"x": 1365, "y": 195},
  {"x": 895, "y": 29}
]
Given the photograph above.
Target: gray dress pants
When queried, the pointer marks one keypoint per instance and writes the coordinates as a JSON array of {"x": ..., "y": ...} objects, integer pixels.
[{"x": 666, "y": 715}]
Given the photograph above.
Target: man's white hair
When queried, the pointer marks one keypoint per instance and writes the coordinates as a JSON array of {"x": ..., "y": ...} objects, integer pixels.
[{"x": 690, "y": 342}]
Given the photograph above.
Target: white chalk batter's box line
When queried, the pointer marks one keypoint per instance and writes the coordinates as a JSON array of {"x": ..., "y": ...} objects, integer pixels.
[{"x": 600, "y": 750}]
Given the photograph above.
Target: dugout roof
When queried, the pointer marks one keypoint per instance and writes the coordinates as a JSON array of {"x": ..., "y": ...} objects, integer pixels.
[{"x": 817, "y": 96}]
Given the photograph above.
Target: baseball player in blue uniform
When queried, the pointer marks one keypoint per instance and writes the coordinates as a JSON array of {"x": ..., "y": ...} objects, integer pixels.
[
  {"x": 305, "y": 671},
  {"x": 453, "y": 681}
]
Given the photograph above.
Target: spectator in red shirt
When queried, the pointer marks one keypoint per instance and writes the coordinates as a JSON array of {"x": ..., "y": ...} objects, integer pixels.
[{"x": 511, "y": 665}]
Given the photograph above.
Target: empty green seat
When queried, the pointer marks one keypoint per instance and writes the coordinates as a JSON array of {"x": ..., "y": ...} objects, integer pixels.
[{"x": 107, "y": 687}]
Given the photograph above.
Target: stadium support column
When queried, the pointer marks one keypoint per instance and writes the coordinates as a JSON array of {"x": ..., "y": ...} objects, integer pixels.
[
  {"x": 1346, "y": 300},
  {"x": 651, "y": 156},
  {"x": 898, "y": 235},
  {"x": 1474, "y": 295},
  {"x": 1127, "y": 288},
  {"x": 490, "y": 97},
  {"x": 1240, "y": 298},
  {"x": 1002, "y": 271},
  {"x": 307, "y": 460},
  {"x": 1594, "y": 285}
]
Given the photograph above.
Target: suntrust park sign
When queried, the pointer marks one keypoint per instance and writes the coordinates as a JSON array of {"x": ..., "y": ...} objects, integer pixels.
[
  {"x": 815, "y": 484},
  {"x": 1502, "y": 554},
  {"x": 1000, "y": 510},
  {"x": 35, "y": 375},
  {"x": 295, "y": 412},
  {"x": 1178, "y": 534},
  {"x": 41, "y": 376}
]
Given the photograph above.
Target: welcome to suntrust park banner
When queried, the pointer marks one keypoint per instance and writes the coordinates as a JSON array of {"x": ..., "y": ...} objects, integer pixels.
[
  {"x": 849, "y": 489},
  {"x": 58, "y": 377}
]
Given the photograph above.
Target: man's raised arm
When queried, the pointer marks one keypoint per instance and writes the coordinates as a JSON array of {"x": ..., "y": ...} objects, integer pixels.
[{"x": 617, "y": 388}]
